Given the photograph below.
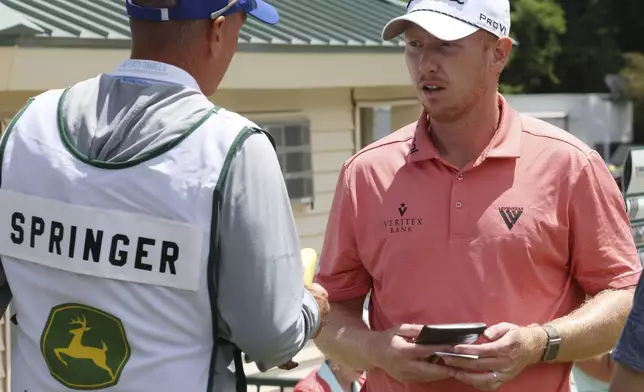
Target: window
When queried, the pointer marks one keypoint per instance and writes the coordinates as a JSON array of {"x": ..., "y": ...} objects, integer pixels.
[
  {"x": 378, "y": 119},
  {"x": 375, "y": 123},
  {"x": 293, "y": 143}
]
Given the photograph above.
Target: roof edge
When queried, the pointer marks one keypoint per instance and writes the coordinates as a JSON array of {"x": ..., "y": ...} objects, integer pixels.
[
  {"x": 88, "y": 43},
  {"x": 398, "y": 3}
]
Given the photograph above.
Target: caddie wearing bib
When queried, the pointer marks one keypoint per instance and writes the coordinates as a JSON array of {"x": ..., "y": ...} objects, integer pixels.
[{"x": 146, "y": 234}]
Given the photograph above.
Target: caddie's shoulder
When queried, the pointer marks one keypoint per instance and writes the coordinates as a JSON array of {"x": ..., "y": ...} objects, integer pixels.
[
  {"x": 235, "y": 119},
  {"x": 51, "y": 98},
  {"x": 43, "y": 105}
]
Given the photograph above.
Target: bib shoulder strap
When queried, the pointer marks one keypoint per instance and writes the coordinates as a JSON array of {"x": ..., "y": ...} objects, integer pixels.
[{"x": 214, "y": 257}]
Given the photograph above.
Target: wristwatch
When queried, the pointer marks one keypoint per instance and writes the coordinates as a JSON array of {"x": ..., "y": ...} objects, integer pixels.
[{"x": 554, "y": 343}]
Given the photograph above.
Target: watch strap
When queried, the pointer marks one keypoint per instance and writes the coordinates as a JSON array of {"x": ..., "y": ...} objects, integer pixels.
[{"x": 554, "y": 343}]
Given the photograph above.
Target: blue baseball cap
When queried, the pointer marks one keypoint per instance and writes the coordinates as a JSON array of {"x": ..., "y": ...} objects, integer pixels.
[{"x": 205, "y": 9}]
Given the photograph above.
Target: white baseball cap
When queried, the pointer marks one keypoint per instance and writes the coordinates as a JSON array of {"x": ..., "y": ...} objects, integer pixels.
[{"x": 451, "y": 20}]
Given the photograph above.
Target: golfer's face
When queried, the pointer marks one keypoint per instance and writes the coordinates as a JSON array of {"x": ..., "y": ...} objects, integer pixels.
[{"x": 446, "y": 74}]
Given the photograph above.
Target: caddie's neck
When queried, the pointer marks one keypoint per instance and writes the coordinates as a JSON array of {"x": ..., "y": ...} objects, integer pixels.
[
  {"x": 183, "y": 62},
  {"x": 173, "y": 43},
  {"x": 461, "y": 140}
]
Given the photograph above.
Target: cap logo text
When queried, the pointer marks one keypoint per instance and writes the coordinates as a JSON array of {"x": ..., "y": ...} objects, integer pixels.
[{"x": 493, "y": 24}]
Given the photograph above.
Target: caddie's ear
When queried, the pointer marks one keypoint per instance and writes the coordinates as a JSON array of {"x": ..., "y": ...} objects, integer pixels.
[{"x": 216, "y": 32}]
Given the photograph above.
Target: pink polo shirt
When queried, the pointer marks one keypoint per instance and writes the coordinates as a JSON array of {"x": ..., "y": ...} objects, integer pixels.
[{"x": 520, "y": 235}]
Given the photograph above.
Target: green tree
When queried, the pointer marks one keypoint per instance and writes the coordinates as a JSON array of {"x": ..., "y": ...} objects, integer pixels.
[
  {"x": 590, "y": 46},
  {"x": 599, "y": 32},
  {"x": 627, "y": 17},
  {"x": 633, "y": 73},
  {"x": 537, "y": 25}
]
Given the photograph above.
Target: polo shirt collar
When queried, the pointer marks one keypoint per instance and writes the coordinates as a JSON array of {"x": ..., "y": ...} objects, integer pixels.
[
  {"x": 506, "y": 142},
  {"x": 155, "y": 71}
]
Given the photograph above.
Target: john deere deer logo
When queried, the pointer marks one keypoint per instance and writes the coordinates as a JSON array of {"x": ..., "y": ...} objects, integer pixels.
[
  {"x": 78, "y": 351},
  {"x": 85, "y": 348}
]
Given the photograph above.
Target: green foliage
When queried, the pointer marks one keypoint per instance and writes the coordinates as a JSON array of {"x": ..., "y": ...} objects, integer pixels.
[
  {"x": 507, "y": 89},
  {"x": 537, "y": 25},
  {"x": 590, "y": 48},
  {"x": 633, "y": 73}
]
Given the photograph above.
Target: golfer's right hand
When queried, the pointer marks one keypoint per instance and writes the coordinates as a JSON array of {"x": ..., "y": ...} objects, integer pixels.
[
  {"x": 322, "y": 298},
  {"x": 405, "y": 361}
]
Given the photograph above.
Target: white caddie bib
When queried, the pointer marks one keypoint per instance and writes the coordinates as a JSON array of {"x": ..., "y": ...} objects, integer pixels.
[{"x": 110, "y": 265}]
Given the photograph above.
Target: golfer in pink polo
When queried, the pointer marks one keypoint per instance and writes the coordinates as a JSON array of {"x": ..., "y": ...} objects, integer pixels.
[{"x": 474, "y": 213}]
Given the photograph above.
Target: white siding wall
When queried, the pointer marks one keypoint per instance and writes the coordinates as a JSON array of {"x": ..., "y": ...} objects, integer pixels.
[{"x": 330, "y": 113}]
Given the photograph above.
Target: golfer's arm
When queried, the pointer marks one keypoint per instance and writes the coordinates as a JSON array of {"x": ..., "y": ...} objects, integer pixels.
[
  {"x": 602, "y": 255},
  {"x": 262, "y": 298},
  {"x": 594, "y": 328},
  {"x": 346, "y": 338},
  {"x": 626, "y": 379}
]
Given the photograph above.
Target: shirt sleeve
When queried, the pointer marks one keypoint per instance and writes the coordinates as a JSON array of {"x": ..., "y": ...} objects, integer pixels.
[
  {"x": 603, "y": 253},
  {"x": 630, "y": 347},
  {"x": 262, "y": 300},
  {"x": 341, "y": 272}
]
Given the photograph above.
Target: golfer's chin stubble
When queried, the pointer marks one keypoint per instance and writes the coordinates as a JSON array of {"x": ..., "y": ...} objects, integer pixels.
[
  {"x": 442, "y": 109},
  {"x": 447, "y": 107}
]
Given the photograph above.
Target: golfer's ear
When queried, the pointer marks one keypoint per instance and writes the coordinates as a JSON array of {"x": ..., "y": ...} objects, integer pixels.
[{"x": 501, "y": 51}]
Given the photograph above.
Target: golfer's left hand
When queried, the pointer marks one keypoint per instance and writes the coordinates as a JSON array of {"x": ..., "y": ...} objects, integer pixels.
[{"x": 509, "y": 350}]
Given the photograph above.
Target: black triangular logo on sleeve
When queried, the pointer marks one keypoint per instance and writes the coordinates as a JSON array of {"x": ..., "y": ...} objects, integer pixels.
[{"x": 510, "y": 215}]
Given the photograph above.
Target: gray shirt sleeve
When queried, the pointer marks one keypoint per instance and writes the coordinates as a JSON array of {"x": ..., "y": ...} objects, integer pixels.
[{"x": 266, "y": 310}]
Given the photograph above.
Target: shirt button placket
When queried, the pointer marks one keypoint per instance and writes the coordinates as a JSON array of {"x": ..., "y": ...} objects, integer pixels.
[{"x": 456, "y": 217}]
